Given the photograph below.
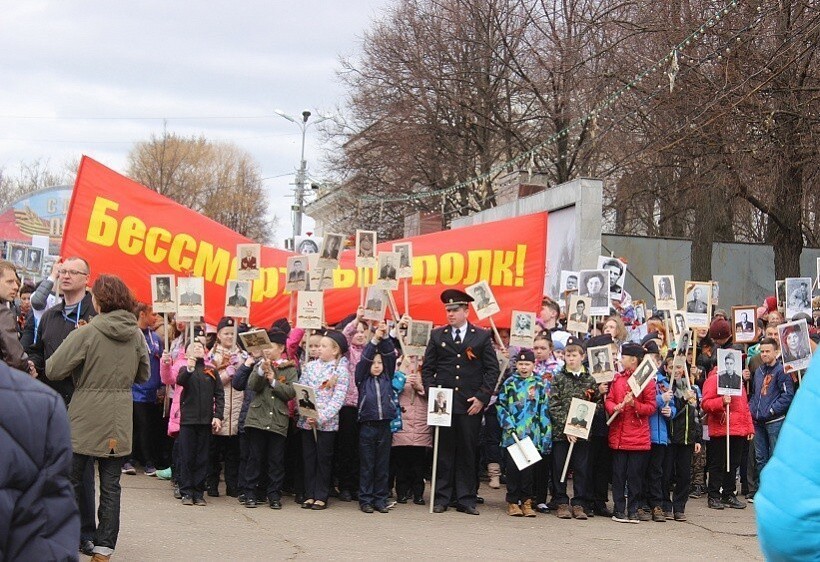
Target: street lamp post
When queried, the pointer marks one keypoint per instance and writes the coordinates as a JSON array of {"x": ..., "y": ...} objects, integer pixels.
[{"x": 301, "y": 173}]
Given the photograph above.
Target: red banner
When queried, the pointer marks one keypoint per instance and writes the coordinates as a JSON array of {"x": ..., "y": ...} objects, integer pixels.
[{"x": 124, "y": 228}]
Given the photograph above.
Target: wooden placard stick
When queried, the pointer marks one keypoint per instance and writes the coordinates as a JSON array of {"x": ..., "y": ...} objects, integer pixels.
[
  {"x": 362, "y": 289},
  {"x": 406, "y": 296},
  {"x": 291, "y": 307},
  {"x": 566, "y": 463},
  {"x": 394, "y": 311},
  {"x": 497, "y": 335},
  {"x": 727, "y": 438},
  {"x": 165, "y": 330}
]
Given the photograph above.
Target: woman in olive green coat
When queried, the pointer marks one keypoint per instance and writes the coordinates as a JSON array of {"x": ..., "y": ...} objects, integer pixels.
[{"x": 104, "y": 358}]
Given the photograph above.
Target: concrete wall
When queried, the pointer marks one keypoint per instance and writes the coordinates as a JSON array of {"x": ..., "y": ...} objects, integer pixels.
[{"x": 745, "y": 272}]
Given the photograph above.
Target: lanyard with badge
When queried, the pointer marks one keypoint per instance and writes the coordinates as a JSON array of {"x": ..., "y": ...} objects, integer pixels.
[{"x": 79, "y": 321}]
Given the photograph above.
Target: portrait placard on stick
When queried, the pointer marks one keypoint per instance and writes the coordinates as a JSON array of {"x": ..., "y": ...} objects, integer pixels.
[
  {"x": 744, "y": 327},
  {"x": 568, "y": 282},
  {"x": 715, "y": 293},
  {"x": 330, "y": 252},
  {"x": 250, "y": 260},
  {"x": 579, "y": 418},
  {"x": 163, "y": 295},
  {"x": 683, "y": 342},
  {"x": 388, "y": 274},
  {"x": 310, "y": 307},
  {"x": 798, "y": 296},
  {"x": 366, "y": 248},
  {"x": 238, "y": 299},
  {"x": 642, "y": 375},
  {"x": 306, "y": 400},
  {"x": 617, "y": 275},
  {"x": 665, "y": 296},
  {"x": 594, "y": 285},
  {"x": 578, "y": 314},
  {"x": 319, "y": 278},
  {"x": 698, "y": 298},
  {"x": 255, "y": 341},
  {"x": 484, "y": 302},
  {"x": 729, "y": 365},
  {"x": 418, "y": 334},
  {"x": 640, "y": 311},
  {"x": 794, "y": 345},
  {"x": 679, "y": 324},
  {"x": 522, "y": 329},
  {"x": 405, "y": 253},
  {"x": 190, "y": 297},
  {"x": 375, "y": 304},
  {"x": 601, "y": 364},
  {"x": 297, "y": 276},
  {"x": 440, "y": 407}
]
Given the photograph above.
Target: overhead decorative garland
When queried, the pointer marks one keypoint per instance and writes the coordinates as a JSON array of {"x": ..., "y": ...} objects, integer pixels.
[{"x": 529, "y": 155}]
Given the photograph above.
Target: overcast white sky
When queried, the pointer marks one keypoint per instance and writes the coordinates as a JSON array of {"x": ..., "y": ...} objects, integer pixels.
[{"x": 93, "y": 77}]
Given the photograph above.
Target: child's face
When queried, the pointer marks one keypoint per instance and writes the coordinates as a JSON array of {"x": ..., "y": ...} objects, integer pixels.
[
  {"x": 274, "y": 352},
  {"x": 327, "y": 349},
  {"x": 542, "y": 350},
  {"x": 573, "y": 358},
  {"x": 197, "y": 350},
  {"x": 678, "y": 371},
  {"x": 377, "y": 367},
  {"x": 226, "y": 337},
  {"x": 360, "y": 337},
  {"x": 559, "y": 354},
  {"x": 313, "y": 346},
  {"x": 524, "y": 368}
]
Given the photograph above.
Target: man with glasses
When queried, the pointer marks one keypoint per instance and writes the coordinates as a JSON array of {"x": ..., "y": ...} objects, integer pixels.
[{"x": 76, "y": 309}]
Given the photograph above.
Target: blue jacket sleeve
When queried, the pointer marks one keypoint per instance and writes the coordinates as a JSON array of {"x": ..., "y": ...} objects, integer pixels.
[
  {"x": 388, "y": 352},
  {"x": 363, "y": 367},
  {"x": 781, "y": 405},
  {"x": 240, "y": 379}
]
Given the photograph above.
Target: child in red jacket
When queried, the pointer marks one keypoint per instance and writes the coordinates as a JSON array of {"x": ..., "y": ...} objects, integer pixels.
[
  {"x": 741, "y": 428},
  {"x": 629, "y": 436}
]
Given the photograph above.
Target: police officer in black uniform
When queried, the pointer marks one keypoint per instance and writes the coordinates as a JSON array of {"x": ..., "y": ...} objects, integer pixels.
[{"x": 460, "y": 356}]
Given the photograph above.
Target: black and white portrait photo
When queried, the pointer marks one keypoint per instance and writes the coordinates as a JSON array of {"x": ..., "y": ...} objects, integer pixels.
[
  {"x": 601, "y": 364},
  {"x": 743, "y": 323},
  {"x": 255, "y": 341},
  {"x": 387, "y": 273},
  {"x": 569, "y": 282},
  {"x": 640, "y": 311},
  {"x": 330, "y": 251},
  {"x": 237, "y": 299},
  {"x": 579, "y": 418},
  {"x": 642, "y": 375},
  {"x": 578, "y": 314},
  {"x": 163, "y": 299},
  {"x": 16, "y": 254},
  {"x": 418, "y": 334},
  {"x": 365, "y": 248},
  {"x": 440, "y": 407},
  {"x": 306, "y": 400},
  {"x": 375, "y": 304},
  {"x": 682, "y": 343},
  {"x": 780, "y": 292},
  {"x": 794, "y": 345},
  {"x": 250, "y": 259},
  {"x": 698, "y": 299},
  {"x": 665, "y": 296},
  {"x": 191, "y": 297},
  {"x": 798, "y": 296},
  {"x": 617, "y": 275},
  {"x": 34, "y": 260},
  {"x": 679, "y": 324},
  {"x": 307, "y": 246},
  {"x": 729, "y": 372},
  {"x": 405, "y": 264},
  {"x": 296, "y": 273},
  {"x": 522, "y": 329},
  {"x": 594, "y": 284},
  {"x": 484, "y": 302}
]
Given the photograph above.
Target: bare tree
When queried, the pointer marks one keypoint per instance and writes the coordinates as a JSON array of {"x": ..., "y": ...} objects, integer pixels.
[
  {"x": 29, "y": 177},
  {"x": 219, "y": 180}
]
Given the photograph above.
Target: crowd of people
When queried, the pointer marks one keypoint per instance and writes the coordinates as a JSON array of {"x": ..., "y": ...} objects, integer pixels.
[{"x": 200, "y": 410}]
